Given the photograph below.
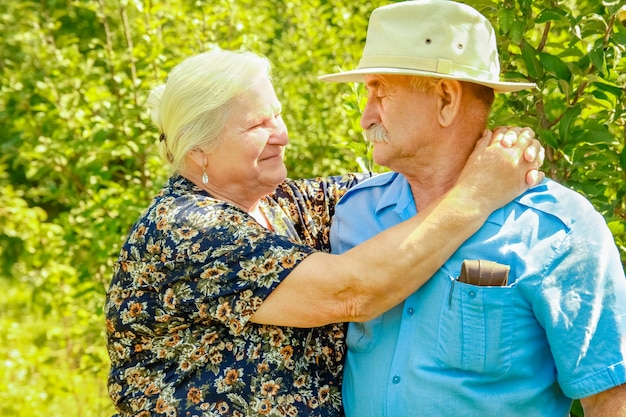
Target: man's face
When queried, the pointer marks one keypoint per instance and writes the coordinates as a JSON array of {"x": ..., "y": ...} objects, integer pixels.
[{"x": 407, "y": 116}]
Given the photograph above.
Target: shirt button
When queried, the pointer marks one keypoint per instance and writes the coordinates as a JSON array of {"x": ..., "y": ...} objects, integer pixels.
[
  {"x": 396, "y": 379},
  {"x": 472, "y": 294},
  {"x": 410, "y": 311}
]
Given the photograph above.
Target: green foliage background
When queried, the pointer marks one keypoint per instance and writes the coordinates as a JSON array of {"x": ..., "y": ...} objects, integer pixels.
[{"x": 78, "y": 160}]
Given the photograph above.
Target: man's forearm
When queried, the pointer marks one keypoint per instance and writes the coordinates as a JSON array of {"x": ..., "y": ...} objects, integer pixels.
[{"x": 609, "y": 403}]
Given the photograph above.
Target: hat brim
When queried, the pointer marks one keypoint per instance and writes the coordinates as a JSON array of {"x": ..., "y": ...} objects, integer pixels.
[{"x": 358, "y": 76}]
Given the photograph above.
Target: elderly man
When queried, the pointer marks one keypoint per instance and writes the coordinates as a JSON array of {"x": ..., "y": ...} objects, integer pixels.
[{"x": 551, "y": 324}]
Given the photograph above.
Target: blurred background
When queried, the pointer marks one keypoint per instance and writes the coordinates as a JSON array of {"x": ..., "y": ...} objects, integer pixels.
[{"x": 78, "y": 160}]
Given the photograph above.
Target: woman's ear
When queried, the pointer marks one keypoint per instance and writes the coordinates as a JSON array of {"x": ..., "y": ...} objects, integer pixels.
[
  {"x": 449, "y": 94},
  {"x": 197, "y": 157}
]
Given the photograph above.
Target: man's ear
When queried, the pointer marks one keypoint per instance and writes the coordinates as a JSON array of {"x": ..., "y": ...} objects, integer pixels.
[{"x": 449, "y": 94}]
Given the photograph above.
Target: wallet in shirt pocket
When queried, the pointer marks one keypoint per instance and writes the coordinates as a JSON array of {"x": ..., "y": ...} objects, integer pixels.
[{"x": 484, "y": 273}]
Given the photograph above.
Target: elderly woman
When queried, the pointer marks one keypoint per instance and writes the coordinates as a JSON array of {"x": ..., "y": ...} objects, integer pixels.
[{"x": 224, "y": 300}]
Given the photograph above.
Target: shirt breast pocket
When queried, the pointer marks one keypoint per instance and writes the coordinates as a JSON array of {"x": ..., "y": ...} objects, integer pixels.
[{"x": 476, "y": 329}]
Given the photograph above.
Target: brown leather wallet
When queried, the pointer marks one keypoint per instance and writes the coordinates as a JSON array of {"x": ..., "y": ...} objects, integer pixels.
[{"x": 484, "y": 273}]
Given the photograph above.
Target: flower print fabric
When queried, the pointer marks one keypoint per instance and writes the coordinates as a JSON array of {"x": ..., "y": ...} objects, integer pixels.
[{"x": 192, "y": 272}]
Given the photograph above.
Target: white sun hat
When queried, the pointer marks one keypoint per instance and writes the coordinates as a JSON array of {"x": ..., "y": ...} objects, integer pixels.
[{"x": 431, "y": 38}]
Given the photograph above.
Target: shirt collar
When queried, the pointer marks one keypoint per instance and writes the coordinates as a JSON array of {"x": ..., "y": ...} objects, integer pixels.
[{"x": 399, "y": 198}]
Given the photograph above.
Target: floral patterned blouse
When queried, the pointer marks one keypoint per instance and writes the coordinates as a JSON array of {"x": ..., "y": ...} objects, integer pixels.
[{"x": 192, "y": 272}]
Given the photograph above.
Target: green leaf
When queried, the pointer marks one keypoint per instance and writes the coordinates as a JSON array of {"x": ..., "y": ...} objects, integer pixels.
[
  {"x": 548, "y": 138},
  {"x": 533, "y": 65},
  {"x": 566, "y": 121},
  {"x": 597, "y": 137},
  {"x": 506, "y": 17},
  {"x": 517, "y": 31},
  {"x": 619, "y": 38},
  {"x": 597, "y": 59},
  {"x": 551, "y": 14},
  {"x": 608, "y": 87},
  {"x": 555, "y": 65}
]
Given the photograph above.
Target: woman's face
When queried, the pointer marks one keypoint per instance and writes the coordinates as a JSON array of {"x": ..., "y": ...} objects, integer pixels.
[{"x": 247, "y": 164}]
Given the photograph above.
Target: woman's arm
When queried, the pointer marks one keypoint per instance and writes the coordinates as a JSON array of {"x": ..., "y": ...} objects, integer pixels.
[{"x": 381, "y": 272}]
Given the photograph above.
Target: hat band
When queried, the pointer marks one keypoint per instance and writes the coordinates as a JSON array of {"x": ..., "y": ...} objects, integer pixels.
[{"x": 438, "y": 66}]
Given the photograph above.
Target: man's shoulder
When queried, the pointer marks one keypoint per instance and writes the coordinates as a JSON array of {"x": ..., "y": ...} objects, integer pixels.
[
  {"x": 557, "y": 200},
  {"x": 550, "y": 194},
  {"x": 368, "y": 193},
  {"x": 377, "y": 183}
]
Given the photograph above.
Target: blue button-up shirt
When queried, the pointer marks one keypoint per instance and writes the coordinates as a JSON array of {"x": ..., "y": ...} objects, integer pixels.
[{"x": 557, "y": 331}]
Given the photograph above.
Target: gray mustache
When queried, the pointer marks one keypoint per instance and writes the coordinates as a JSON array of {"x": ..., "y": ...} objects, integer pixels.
[{"x": 376, "y": 134}]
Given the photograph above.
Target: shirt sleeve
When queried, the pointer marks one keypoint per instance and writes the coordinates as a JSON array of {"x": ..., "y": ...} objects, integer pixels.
[
  {"x": 203, "y": 260},
  {"x": 581, "y": 303},
  {"x": 310, "y": 204}
]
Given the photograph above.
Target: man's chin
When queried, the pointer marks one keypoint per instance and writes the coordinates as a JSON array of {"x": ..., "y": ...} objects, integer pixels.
[{"x": 378, "y": 154}]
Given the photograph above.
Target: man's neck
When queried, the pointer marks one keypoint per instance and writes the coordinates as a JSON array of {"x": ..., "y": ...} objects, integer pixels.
[
  {"x": 426, "y": 193},
  {"x": 431, "y": 181}
]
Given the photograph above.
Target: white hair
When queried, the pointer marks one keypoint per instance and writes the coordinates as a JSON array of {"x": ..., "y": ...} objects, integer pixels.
[{"x": 191, "y": 108}]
